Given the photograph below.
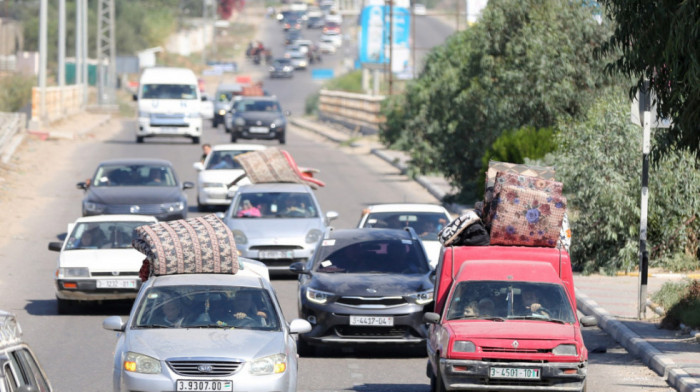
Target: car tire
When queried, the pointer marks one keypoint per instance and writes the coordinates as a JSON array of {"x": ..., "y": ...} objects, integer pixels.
[
  {"x": 214, "y": 123},
  {"x": 439, "y": 385},
  {"x": 139, "y": 139},
  {"x": 233, "y": 137},
  {"x": 64, "y": 306},
  {"x": 304, "y": 349},
  {"x": 203, "y": 208},
  {"x": 195, "y": 140},
  {"x": 282, "y": 139}
]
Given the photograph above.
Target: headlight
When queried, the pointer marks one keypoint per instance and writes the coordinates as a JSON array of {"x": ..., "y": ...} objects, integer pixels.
[
  {"x": 272, "y": 364},
  {"x": 271, "y": 69},
  {"x": 73, "y": 272},
  {"x": 140, "y": 363},
  {"x": 222, "y": 112},
  {"x": 94, "y": 207},
  {"x": 302, "y": 63},
  {"x": 213, "y": 185},
  {"x": 239, "y": 237},
  {"x": 463, "y": 346},
  {"x": 317, "y": 296},
  {"x": 239, "y": 121},
  {"x": 171, "y": 207},
  {"x": 422, "y": 298},
  {"x": 565, "y": 349},
  {"x": 313, "y": 236},
  {"x": 288, "y": 68}
]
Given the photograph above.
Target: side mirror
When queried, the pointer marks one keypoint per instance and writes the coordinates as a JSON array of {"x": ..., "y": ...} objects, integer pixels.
[
  {"x": 331, "y": 215},
  {"x": 55, "y": 246},
  {"x": 588, "y": 321},
  {"x": 114, "y": 323},
  {"x": 199, "y": 166},
  {"x": 299, "y": 326},
  {"x": 135, "y": 97},
  {"x": 431, "y": 317},
  {"x": 287, "y": 113},
  {"x": 298, "y": 268},
  {"x": 187, "y": 185},
  {"x": 82, "y": 185},
  {"x": 220, "y": 215},
  {"x": 204, "y": 98}
]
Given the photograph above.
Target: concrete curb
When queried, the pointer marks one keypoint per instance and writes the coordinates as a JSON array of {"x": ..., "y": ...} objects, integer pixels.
[{"x": 653, "y": 358}]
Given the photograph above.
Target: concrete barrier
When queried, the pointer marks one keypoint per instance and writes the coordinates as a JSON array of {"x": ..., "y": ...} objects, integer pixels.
[
  {"x": 11, "y": 125},
  {"x": 61, "y": 102},
  {"x": 355, "y": 111}
]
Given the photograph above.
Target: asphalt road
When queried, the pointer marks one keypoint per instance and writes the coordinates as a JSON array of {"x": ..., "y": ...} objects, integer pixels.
[{"x": 77, "y": 353}]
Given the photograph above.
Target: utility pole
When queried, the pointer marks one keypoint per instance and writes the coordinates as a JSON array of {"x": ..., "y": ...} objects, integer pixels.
[
  {"x": 106, "y": 53},
  {"x": 391, "y": 46},
  {"x": 645, "y": 108},
  {"x": 78, "y": 42},
  {"x": 84, "y": 51},
  {"x": 413, "y": 40},
  {"x": 43, "y": 20},
  {"x": 61, "y": 43}
]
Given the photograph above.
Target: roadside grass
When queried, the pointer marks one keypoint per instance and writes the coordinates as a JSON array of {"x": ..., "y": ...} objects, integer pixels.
[
  {"x": 15, "y": 92},
  {"x": 681, "y": 300}
]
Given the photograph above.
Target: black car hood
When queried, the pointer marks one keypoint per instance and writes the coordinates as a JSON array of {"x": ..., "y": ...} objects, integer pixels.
[
  {"x": 262, "y": 116},
  {"x": 365, "y": 284},
  {"x": 134, "y": 195}
]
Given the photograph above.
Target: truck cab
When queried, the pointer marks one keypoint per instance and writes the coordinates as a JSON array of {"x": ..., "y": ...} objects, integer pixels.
[{"x": 505, "y": 319}]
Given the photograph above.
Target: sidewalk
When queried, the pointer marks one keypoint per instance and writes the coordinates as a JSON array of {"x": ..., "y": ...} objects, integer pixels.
[{"x": 674, "y": 355}]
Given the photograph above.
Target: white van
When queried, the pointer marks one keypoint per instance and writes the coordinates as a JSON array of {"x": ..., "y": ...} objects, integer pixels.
[{"x": 169, "y": 103}]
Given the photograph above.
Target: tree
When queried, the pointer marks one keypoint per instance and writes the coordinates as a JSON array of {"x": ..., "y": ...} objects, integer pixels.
[
  {"x": 526, "y": 63},
  {"x": 658, "y": 41}
]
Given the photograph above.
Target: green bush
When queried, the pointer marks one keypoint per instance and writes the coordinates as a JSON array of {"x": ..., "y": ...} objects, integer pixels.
[
  {"x": 311, "y": 107},
  {"x": 15, "y": 92},
  {"x": 681, "y": 301},
  {"x": 350, "y": 82}
]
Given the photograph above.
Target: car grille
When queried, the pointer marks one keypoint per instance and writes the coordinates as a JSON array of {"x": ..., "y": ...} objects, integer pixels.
[
  {"x": 275, "y": 247},
  {"x": 372, "y": 302},
  {"x": 515, "y": 350},
  {"x": 168, "y": 120},
  {"x": 204, "y": 367},
  {"x": 149, "y": 209},
  {"x": 371, "y": 332},
  {"x": 130, "y": 273}
]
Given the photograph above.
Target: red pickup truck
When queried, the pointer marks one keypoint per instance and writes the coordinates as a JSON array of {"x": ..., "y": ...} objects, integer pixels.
[{"x": 505, "y": 319}]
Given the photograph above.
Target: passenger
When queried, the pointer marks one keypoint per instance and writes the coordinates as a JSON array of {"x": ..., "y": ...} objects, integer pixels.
[
  {"x": 248, "y": 209},
  {"x": 226, "y": 163}
]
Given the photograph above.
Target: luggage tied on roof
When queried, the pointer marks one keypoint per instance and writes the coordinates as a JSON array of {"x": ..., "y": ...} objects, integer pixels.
[
  {"x": 273, "y": 165},
  {"x": 190, "y": 246}
]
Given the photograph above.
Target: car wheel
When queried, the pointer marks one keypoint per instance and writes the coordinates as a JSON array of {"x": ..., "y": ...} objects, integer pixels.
[
  {"x": 202, "y": 208},
  {"x": 282, "y": 139},
  {"x": 195, "y": 140},
  {"x": 233, "y": 137},
  {"x": 439, "y": 386},
  {"x": 214, "y": 123},
  {"x": 64, "y": 306},
  {"x": 304, "y": 349},
  {"x": 139, "y": 139}
]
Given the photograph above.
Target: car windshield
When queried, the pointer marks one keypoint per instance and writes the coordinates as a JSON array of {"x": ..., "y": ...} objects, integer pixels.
[
  {"x": 281, "y": 62},
  {"x": 426, "y": 224},
  {"x": 274, "y": 205},
  {"x": 387, "y": 256},
  {"x": 507, "y": 300},
  {"x": 223, "y": 160},
  {"x": 251, "y": 105},
  {"x": 169, "y": 91},
  {"x": 133, "y": 175},
  {"x": 224, "y": 96},
  {"x": 103, "y": 235},
  {"x": 199, "y": 306}
]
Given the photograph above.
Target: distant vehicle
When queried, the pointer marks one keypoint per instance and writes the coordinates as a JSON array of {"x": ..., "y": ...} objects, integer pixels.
[
  {"x": 96, "y": 260},
  {"x": 277, "y": 224},
  {"x": 327, "y": 45},
  {"x": 205, "y": 332},
  {"x": 139, "y": 186},
  {"x": 331, "y": 28},
  {"x": 298, "y": 59},
  {"x": 281, "y": 68},
  {"x": 334, "y": 17},
  {"x": 207, "y": 108},
  {"x": 365, "y": 286},
  {"x": 21, "y": 370},
  {"x": 256, "y": 118},
  {"x": 222, "y": 100},
  {"x": 419, "y": 9},
  {"x": 336, "y": 39},
  {"x": 315, "y": 22},
  {"x": 169, "y": 104},
  {"x": 218, "y": 171},
  {"x": 426, "y": 219}
]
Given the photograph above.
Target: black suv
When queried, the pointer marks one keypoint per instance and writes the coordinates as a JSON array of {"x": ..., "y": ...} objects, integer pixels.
[
  {"x": 365, "y": 286},
  {"x": 256, "y": 118}
]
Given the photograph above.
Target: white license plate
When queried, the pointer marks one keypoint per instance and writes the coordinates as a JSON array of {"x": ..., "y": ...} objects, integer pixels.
[
  {"x": 204, "y": 385},
  {"x": 276, "y": 254},
  {"x": 169, "y": 130},
  {"x": 116, "y": 284},
  {"x": 374, "y": 321},
  {"x": 259, "y": 130},
  {"x": 520, "y": 373}
]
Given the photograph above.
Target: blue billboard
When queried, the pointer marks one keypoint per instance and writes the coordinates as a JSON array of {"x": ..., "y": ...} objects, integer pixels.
[{"x": 374, "y": 34}]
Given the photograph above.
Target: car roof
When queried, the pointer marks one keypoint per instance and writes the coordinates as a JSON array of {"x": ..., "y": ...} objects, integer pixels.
[
  {"x": 208, "y": 279},
  {"x": 229, "y": 87},
  {"x": 256, "y": 98},
  {"x": 137, "y": 161},
  {"x": 274, "y": 187},
  {"x": 405, "y": 207},
  {"x": 361, "y": 235},
  {"x": 238, "y": 147},
  {"x": 117, "y": 218}
]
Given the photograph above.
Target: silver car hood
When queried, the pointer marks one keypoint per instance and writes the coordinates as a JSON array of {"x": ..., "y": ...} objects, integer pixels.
[
  {"x": 282, "y": 228},
  {"x": 243, "y": 344}
]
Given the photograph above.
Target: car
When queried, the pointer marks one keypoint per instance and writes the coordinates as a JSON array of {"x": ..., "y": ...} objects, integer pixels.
[
  {"x": 365, "y": 286},
  {"x": 218, "y": 171},
  {"x": 291, "y": 36},
  {"x": 335, "y": 38},
  {"x": 298, "y": 59},
  {"x": 21, "y": 369},
  {"x": 327, "y": 45},
  {"x": 281, "y": 68},
  {"x": 315, "y": 22},
  {"x": 266, "y": 230},
  {"x": 256, "y": 118},
  {"x": 419, "y": 9},
  {"x": 222, "y": 100},
  {"x": 135, "y": 186},
  {"x": 207, "y": 107},
  {"x": 331, "y": 28},
  {"x": 96, "y": 260},
  {"x": 184, "y": 334},
  {"x": 426, "y": 219}
]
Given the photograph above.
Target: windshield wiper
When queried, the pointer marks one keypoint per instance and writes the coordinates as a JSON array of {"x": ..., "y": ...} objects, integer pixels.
[
  {"x": 542, "y": 318},
  {"x": 492, "y": 318},
  {"x": 155, "y": 326}
]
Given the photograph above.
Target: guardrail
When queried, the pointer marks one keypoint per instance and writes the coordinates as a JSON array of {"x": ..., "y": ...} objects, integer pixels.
[
  {"x": 10, "y": 125},
  {"x": 355, "y": 111},
  {"x": 61, "y": 102}
]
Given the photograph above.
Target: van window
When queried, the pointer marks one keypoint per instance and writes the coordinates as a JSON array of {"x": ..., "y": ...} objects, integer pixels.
[{"x": 169, "y": 91}]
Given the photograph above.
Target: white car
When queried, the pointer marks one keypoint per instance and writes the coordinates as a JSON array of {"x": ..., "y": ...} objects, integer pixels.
[
  {"x": 298, "y": 58},
  {"x": 218, "y": 171},
  {"x": 96, "y": 260},
  {"x": 327, "y": 45},
  {"x": 426, "y": 219},
  {"x": 335, "y": 38},
  {"x": 419, "y": 9}
]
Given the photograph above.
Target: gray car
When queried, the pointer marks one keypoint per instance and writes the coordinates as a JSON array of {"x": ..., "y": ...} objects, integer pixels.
[
  {"x": 222, "y": 101},
  {"x": 206, "y": 332},
  {"x": 277, "y": 224}
]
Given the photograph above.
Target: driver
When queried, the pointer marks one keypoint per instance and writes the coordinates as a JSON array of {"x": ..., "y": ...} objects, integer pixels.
[
  {"x": 293, "y": 206},
  {"x": 532, "y": 304}
]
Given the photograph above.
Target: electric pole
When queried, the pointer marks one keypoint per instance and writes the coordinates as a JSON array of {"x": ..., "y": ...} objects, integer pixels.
[{"x": 106, "y": 53}]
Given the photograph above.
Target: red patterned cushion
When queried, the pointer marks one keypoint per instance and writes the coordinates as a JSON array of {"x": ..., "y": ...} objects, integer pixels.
[
  {"x": 551, "y": 187},
  {"x": 527, "y": 217}
]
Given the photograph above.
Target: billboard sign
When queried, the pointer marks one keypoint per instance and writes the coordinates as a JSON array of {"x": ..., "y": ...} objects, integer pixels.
[{"x": 374, "y": 34}]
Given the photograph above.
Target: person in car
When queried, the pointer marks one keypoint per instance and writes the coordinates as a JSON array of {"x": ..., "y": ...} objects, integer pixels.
[
  {"x": 531, "y": 304},
  {"x": 91, "y": 238},
  {"x": 171, "y": 313},
  {"x": 294, "y": 207},
  {"x": 248, "y": 209},
  {"x": 225, "y": 163}
]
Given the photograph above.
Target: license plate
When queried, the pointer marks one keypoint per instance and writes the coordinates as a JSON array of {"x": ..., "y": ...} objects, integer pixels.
[
  {"x": 259, "y": 130},
  {"x": 374, "y": 321},
  {"x": 521, "y": 373},
  {"x": 169, "y": 130},
  {"x": 204, "y": 385},
  {"x": 116, "y": 284},
  {"x": 276, "y": 254}
]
